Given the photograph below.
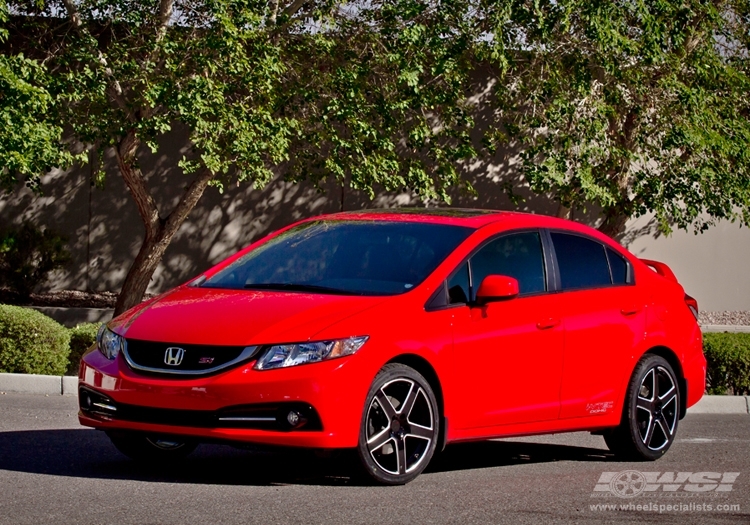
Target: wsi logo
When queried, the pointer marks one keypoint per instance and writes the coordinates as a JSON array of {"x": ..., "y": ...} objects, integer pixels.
[
  {"x": 174, "y": 355},
  {"x": 631, "y": 483}
]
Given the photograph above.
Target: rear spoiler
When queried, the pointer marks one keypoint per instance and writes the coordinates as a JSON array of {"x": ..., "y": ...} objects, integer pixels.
[{"x": 660, "y": 268}]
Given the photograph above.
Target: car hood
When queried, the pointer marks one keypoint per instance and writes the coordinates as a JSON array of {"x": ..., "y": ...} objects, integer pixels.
[{"x": 237, "y": 317}]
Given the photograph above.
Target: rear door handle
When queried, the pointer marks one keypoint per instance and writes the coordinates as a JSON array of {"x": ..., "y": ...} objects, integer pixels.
[
  {"x": 548, "y": 323},
  {"x": 630, "y": 310}
]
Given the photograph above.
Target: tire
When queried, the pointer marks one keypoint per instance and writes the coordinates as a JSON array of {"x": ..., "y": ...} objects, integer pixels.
[
  {"x": 144, "y": 447},
  {"x": 650, "y": 414},
  {"x": 400, "y": 426}
]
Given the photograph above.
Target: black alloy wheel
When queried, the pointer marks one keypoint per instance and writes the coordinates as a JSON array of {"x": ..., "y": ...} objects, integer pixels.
[
  {"x": 145, "y": 447},
  {"x": 400, "y": 427},
  {"x": 651, "y": 413}
]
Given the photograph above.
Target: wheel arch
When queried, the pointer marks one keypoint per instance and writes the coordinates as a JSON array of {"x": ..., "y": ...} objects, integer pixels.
[
  {"x": 423, "y": 366},
  {"x": 671, "y": 357}
]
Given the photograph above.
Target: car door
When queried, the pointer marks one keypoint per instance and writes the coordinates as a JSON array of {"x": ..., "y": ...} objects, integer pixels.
[
  {"x": 507, "y": 354},
  {"x": 604, "y": 319}
]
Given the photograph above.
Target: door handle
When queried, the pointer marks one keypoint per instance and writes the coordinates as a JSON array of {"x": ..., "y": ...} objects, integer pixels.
[
  {"x": 548, "y": 323},
  {"x": 630, "y": 310}
]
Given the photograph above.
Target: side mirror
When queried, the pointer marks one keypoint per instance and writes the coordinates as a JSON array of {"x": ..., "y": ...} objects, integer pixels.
[{"x": 497, "y": 288}]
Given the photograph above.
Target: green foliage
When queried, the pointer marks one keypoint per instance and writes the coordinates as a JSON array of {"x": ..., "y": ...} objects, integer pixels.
[
  {"x": 82, "y": 336},
  {"x": 31, "y": 342},
  {"x": 370, "y": 94},
  {"x": 383, "y": 98},
  {"x": 728, "y": 357},
  {"x": 27, "y": 255},
  {"x": 30, "y": 138},
  {"x": 634, "y": 106}
]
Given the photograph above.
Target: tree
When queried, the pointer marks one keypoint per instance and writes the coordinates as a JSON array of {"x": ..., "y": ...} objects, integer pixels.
[
  {"x": 253, "y": 81},
  {"x": 29, "y": 140},
  {"x": 631, "y": 106}
]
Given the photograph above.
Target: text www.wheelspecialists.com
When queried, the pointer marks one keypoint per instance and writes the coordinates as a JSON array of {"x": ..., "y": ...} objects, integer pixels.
[{"x": 662, "y": 508}]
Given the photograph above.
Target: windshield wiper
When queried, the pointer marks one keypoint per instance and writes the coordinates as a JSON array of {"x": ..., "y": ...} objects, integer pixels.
[{"x": 296, "y": 287}]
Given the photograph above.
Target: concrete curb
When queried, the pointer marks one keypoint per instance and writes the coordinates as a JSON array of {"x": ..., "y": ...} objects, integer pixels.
[
  {"x": 721, "y": 405},
  {"x": 71, "y": 317},
  {"x": 39, "y": 384},
  {"x": 731, "y": 328},
  {"x": 68, "y": 386}
]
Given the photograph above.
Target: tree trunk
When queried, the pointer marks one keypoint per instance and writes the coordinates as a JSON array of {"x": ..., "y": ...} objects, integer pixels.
[
  {"x": 614, "y": 222},
  {"x": 143, "y": 267},
  {"x": 563, "y": 212},
  {"x": 158, "y": 232}
]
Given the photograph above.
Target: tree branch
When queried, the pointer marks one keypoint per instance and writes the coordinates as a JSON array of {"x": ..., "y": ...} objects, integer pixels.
[
  {"x": 274, "y": 12},
  {"x": 136, "y": 183},
  {"x": 165, "y": 15},
  {"x": 294, "y": 7},
  {"x": 75, "y": 18},
  {"x": 188, "y": 201}
]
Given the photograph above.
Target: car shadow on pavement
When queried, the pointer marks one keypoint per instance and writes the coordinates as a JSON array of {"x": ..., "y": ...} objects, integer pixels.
[{"x": 89, "y": 454}]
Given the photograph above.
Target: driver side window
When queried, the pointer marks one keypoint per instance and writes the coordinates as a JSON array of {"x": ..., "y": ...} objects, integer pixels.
[{"x": 518, "y": 255}]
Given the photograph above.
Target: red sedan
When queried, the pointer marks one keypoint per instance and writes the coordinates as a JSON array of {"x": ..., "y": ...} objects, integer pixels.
[{"x": 397, "y": 332}]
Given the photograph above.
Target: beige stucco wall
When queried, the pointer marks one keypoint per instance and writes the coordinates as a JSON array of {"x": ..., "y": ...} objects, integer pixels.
[{"x": 713, "y": 267}]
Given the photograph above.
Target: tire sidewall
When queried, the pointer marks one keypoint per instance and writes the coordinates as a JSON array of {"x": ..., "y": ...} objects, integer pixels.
[
  {"x": 389, "y": 373},
  {"x": 646, "y": 364}
]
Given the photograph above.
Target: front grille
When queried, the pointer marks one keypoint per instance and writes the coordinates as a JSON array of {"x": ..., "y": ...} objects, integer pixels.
[
  {"x": 267, "y": 416},
  {"x": 183, "y": 359}
]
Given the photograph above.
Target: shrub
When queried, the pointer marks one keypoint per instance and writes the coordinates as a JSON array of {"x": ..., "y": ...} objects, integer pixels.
[
  {"x": 728, "y": 356},
  {"x": 81, "y": 339},
  {"x": 31, "y": 342},
  {"x": 27, "y": 255}
]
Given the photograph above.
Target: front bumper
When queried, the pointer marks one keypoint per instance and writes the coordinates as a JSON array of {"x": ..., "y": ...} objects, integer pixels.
[{"x": 334, "y": 391}]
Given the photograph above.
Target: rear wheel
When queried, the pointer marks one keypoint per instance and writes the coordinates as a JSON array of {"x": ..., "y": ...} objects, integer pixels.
[
  {"x": 144, "y": 447},
  {"x": 400, "y": 426},
  {"x": 651, "y": 412}
]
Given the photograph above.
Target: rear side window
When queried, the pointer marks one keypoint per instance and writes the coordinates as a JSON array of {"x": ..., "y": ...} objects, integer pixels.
[
  {"x": 619, "y": 267},
  {"x": 518, "y": 255},
  {"x": 582, "y": 262}
]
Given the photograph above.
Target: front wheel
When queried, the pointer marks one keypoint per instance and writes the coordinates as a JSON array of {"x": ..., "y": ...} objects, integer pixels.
[
  {"x": 144, "y": 447},
  {"x": 651, "y": 413},
  {"x": 400, "y": 426}
]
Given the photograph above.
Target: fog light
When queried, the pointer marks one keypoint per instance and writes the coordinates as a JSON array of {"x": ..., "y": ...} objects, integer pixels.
[{"x": 293, "y": 418}]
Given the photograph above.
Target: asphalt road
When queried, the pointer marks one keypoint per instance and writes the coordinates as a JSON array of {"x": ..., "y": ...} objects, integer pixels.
[{"x": 54, "y": 471}]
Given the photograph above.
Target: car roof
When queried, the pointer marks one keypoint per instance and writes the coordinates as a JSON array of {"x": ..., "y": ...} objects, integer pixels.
[
  {"x": 467, "y": 217},
  {"x": 470, "y": 218}
]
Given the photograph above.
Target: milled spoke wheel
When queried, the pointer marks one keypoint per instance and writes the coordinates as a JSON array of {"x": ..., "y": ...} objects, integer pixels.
[
  {"x": 400, "y": 426},
  {"x": 657, "y": 409},
  {"x": 651, "y": 412},
  {"x": 144, "y": 447}
]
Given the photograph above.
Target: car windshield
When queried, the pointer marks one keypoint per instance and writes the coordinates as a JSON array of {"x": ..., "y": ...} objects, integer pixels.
[{"x": 344, "y": 257}]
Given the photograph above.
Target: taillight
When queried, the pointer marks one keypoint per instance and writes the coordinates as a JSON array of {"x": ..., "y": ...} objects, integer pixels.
[{"x": 692, "y": 304}]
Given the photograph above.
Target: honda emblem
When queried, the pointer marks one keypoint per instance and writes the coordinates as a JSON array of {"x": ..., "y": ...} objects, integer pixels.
[{"x": 173, "y": 356}]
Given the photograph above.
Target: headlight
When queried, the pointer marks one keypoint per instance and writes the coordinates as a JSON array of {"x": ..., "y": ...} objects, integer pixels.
[
  {"x": 108, "y": 342},
  {"x": 282, "y": 356}
]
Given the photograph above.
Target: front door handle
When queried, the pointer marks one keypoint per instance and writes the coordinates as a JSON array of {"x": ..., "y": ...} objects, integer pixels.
[{"x": 548, "y": 323}]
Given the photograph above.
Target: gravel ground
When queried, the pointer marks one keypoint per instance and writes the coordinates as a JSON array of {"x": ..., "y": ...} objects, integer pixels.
[{"x": 741, "y": 318}]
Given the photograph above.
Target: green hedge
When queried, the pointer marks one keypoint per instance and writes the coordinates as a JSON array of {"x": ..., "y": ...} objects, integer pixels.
[
  {"x": 728, "y": 356},
  {"x": 32, "y": 343},
  {"x": 81, "y": 339}
]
